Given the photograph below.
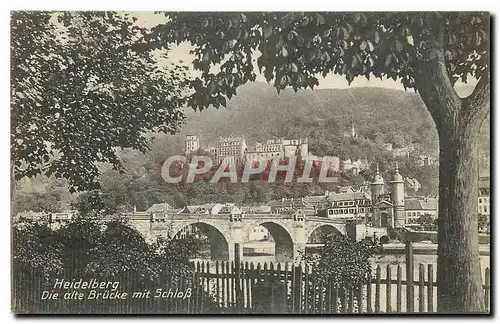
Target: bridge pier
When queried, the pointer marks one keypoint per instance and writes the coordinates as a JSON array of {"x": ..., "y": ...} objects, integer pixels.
[
  {"x": 299, "y": 250},
  {"x": 232, "y": 255},
  {"x": 300, "y": 241},
  {"x": 237, "y": 236}
]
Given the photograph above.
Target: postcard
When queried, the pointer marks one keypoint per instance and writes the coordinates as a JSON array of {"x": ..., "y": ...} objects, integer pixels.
[{"x": 250, "y": 162}]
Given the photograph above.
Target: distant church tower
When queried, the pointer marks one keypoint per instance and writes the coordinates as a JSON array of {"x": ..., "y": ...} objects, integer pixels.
[
  {"x": 378, "y": 185},
  {"x": 398, "y": 198}
]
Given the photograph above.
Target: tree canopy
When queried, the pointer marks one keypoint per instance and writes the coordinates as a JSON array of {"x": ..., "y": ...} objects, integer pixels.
[
  {"x": 80, "y": 87},
  {"x": 296, "y": 48}
]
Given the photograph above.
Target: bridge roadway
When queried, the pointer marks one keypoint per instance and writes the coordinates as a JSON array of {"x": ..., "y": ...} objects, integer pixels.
[{"x": 291, "y": 232}]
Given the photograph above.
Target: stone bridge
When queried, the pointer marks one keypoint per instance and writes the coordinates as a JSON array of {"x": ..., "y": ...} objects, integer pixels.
[{"x": 291, "y": 233}]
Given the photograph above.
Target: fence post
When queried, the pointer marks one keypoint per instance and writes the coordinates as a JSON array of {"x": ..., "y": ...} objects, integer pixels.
[
  {"x": 421, "y": 285},
  {"x": 237, "y": 261},
  {"x": 388, "y": 292},
  {"x": 377, "y": 290},
  {"x": 487, "y": 281},
  {"x": 430, "y": 289},
  {"x": 409, "y": 276},
  {"x": 399, "y": 290}
]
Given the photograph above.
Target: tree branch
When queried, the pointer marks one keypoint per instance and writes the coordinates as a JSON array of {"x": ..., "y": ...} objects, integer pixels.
[
  {"x": 476, "y": 105},
  {"x": 432, "y": 79}
]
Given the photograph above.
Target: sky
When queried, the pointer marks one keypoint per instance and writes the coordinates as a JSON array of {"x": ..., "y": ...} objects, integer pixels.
[{"x": 332, "y": 81}]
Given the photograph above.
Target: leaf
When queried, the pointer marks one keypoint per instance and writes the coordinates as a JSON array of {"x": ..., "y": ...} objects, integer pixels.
[
  {"x": 260, "y": 63},
  {"x": 284, "y": 80},
  {"x": 206, "y": 58},
  {"x": 325, "y": 56},
  {"x": 294, "y": 67},
  {"x": 349, "y": 78},
  {"x": 409, "y": 40},
  {"x": 284, "y": 52},
  {"x": 268, "y": 30},
  {"x": 292, "y": 34},
  {"x": 345, "y": 33},
  {"x": 357, "y": 17},
  {"x": 321, "y": 19},
  {"x": 354, "y": 62},
  {"x": 363, "y": 45},
  {"x": 376, "y": 37},
  {"x": 370, "y": 45},
  {"x": 372, "y": 61},
  {"x": 399, "y": 45},
  {"x": 388, "y": 60}
]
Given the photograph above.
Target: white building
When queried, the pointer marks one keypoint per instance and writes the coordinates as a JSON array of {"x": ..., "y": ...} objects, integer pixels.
[
  {"x": 278, "y": 148},
  {"x": 484, "y": 196},
  {"x": 348, "y": 205},
  {"x": 191, "y": 144},
  {"x": 258, "y": 233},
  {"x": 355, "y": 166},
  {"x": 416, "y": 207},
  {"x": 231, "y": 149}
]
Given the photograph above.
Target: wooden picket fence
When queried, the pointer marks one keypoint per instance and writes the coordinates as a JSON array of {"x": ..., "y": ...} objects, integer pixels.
[
  {"x": 291, "y": 288},
  {"x": 245, "y": 288}
]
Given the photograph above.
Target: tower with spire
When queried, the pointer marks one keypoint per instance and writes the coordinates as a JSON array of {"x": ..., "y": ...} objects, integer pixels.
[
  {"x": 377, "y": 186},
  {"x": 398, "y": 198},
  {"x": 388, "y": 208}
]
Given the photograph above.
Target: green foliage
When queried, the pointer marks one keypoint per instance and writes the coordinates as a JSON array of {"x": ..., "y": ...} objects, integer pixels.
[
  {"x": 36, "y": 249},
  {"x": 343, "y": 261},
  {"x": 296, "y": 47},
  {"x": 79, "y": 88},
  {"x": 37, "y": 202},
  {"x": 88, "y": 248},
  {"x": 427, "y": 223}
]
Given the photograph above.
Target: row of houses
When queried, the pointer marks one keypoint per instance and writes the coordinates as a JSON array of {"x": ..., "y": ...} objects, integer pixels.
[
  {"x": 349, "y": 204},
  {"x": 345, "y": 203}
]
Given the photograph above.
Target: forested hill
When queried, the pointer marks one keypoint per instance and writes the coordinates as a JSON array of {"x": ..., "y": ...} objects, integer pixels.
[{"x": 321, "y": 115}]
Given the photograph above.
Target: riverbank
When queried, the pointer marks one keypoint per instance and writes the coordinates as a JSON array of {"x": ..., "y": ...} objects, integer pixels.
[{"x": 424, "y": 248}]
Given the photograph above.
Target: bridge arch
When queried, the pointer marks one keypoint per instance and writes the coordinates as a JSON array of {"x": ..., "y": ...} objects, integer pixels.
[
  {"x": 217, "y": 237},
  {"x": 280, "y": 231},
  {"x": 316, "y": 233},
  {"x": 283, "y": 240}
]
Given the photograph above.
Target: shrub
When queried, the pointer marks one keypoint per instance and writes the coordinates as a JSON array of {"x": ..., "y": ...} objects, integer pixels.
[{"x": 107, "y": 251}]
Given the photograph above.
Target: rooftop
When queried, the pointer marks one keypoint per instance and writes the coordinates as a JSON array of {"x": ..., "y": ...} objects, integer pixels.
[
  {"x": 159, "y": 208},
  {"x": 484, "y": 183},
  {"x": 421, "y": 204},
  {"x": 348, "y": 196}
]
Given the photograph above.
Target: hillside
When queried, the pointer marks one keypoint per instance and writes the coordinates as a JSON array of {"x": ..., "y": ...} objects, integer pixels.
[
  {"x": 259, "y": 113},
  {"x": 379, "y": 115},
  {"x": 323, "y": 115}
]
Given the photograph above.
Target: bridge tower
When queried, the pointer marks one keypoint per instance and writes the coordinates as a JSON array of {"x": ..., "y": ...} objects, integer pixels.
[
  {"x": 398, "y": 198},
  {"x": 237, "y": 236},
  {"x": 378, "y": 186},
  {"x": 300, "y": 238}
]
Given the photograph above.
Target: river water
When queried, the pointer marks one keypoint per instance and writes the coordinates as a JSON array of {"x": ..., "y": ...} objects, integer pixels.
[
  {"x": 384, "y": 261},
  {"x": 393, "y": 260}
]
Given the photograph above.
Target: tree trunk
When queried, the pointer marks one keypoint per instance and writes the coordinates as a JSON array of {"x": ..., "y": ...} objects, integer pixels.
[
  {"x": 457, "y": 121},
  {"x": 459, "y": 273}
]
